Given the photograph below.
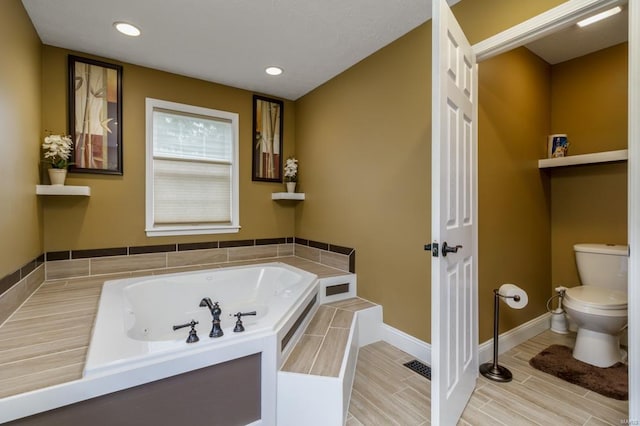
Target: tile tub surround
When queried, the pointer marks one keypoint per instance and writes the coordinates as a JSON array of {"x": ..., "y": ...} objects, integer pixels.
[
  {"x": 45, "y": 341},
  {"x": 328, "y": 254},
  {"x": 17, "y": 286},
  {"x": 85, "y": 263}
]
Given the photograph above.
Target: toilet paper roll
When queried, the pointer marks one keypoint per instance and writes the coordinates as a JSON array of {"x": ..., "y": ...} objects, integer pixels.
[{"x": 510, "y": 290}]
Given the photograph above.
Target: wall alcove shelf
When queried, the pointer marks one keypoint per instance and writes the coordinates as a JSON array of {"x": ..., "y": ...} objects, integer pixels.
[
  {"x": 84, "y": 191},
  {"x": 574, "y": 160},
  {"x": 296, "y": 196}
]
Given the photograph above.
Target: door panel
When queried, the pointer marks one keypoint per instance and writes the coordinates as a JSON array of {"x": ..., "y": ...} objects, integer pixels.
[{"x": 454, "y": 211}]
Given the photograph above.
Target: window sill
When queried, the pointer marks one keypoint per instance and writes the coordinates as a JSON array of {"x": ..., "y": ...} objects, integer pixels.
[{"x": 164, "y": 232}]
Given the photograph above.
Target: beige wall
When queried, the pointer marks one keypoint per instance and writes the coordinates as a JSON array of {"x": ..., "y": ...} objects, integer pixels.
[
  {"x": 114, "y": 215},
  {"x": 364, "y": 151},
  {"x": 539, "y": 215},
  {"x": 363, "y": 141},
  {"x": 589, "y": 203},
  {"x": 20, "y": 212},
  {"x": 514, "y": 219}
]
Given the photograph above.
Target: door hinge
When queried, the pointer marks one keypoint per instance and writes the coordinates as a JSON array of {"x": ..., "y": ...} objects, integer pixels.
[{"x": 433, "y": 248}]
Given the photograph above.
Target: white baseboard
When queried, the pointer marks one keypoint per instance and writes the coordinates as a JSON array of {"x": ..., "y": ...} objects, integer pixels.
[
  {"x": 514, "y": 337},
  {"x": 422, "y": 350},
  {"x": 411, "y": 345}
]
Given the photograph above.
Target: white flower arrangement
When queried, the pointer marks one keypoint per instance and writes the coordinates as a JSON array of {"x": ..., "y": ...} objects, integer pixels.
[
  {"x": 291, "y": 170},
  {"x": 57, "y": 150}
]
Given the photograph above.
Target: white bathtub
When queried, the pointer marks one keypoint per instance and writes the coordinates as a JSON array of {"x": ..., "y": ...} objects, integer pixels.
[
  {"x": 130, "y": 345},
  {"x": 136, "y": 315}
]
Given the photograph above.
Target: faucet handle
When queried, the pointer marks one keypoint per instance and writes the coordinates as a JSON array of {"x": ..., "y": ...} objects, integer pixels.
[
  {"x": 239, "y": 327},
  {"x": 216, "y": 311},
  {"x": 192, "y": 323},
  {"x": 193, "y": 336}
]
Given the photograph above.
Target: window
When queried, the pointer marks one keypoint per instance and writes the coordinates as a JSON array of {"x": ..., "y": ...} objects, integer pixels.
[{"x": 192, "y": 170}]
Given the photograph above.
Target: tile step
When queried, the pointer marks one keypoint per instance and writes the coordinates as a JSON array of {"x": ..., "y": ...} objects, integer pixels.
[
  {"x": 321, "y": 347},
  {"x": 315, "y": 381}
]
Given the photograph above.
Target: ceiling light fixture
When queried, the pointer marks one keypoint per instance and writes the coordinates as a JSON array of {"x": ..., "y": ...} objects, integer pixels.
[
  {"x": 273, "y": 70},
  {"x": 127, "y": 29},
  {"x": 599, "y": 17}
]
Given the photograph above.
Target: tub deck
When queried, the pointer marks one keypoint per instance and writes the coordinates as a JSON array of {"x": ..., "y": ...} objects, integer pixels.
[
  {"x": 45, "y": 341},
  {"x": 321, "y": 348}
]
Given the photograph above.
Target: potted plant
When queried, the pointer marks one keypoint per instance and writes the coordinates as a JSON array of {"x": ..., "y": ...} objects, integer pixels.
[
  {"x": 57, "y": 150},
  {"x": 291, "y": 174}
]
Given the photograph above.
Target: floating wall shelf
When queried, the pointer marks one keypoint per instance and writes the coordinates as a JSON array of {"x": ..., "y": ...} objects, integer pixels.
[
  {"x": 299, "y": 196},
  {"x": 63, "y": 190},
  {"x": 574, "y": 160}
]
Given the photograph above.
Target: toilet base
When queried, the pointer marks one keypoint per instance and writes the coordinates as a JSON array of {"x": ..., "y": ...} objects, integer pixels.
[{"x": 599, "y": 349}]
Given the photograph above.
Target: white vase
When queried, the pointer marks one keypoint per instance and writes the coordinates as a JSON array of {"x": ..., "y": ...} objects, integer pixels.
[
  {"x": 57, "y": 176},
  {"x": 291, "y": 187}
]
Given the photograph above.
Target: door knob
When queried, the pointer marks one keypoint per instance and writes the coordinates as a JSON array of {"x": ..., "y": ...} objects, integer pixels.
[{"x": 449, "y": 249}]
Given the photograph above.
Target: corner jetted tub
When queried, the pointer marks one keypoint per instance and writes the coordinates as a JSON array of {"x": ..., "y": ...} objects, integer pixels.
[
  {"x": 137, "y": 363},
  {"x": 136, "y": 316}
]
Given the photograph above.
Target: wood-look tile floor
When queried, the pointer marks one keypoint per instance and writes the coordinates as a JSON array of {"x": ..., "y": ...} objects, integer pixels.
[{"x": 387, "y": 393}]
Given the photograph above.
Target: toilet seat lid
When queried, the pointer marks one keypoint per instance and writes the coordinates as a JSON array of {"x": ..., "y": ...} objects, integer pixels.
[{"x": 598, "y": 297}]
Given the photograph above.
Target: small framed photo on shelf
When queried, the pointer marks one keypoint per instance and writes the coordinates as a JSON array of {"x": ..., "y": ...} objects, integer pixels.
[
  {"x": 557, "y": 146},
  {"x": 95, "y": 116}
]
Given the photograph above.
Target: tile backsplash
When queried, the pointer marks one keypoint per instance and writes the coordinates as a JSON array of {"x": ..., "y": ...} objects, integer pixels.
[
  {"x": 17, "y": 286},
  {"x": 82, "y": 263},
  {"x": 12, "y": 297}
]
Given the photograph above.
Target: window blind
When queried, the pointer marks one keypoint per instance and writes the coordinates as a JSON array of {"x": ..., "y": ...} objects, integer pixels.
[
  {"x": 192, "y": 169},
  {"x": 191, "y": 192}
]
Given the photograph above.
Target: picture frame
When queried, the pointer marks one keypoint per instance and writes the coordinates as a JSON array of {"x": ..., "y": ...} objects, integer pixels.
[
  {"x": 95, "y": 116},
  {"x": 268, "y": 126}
]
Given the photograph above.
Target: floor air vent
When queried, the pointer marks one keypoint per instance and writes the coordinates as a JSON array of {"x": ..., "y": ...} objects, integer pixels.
[{"x": 420, "y": 368}]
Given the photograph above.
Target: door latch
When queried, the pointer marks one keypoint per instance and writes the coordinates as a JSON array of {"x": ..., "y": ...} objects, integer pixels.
[{"x": 433, "y": 248}]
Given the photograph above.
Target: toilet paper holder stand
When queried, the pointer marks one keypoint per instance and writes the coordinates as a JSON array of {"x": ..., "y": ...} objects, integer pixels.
[{"x": 492, "y": 370}]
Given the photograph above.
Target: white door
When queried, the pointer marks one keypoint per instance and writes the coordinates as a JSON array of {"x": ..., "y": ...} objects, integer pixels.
[{"x": 454, "y": 277}]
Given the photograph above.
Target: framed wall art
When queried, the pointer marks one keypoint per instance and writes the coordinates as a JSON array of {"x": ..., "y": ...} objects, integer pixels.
[
  {"x": 95, "y": 116},
  {"x": 267, "y": 139}
]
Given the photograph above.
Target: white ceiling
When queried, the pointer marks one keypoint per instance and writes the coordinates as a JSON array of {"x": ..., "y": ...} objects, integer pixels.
[
  {"x": 573, "y": 41},
  {"x": 231, "y": 42}
]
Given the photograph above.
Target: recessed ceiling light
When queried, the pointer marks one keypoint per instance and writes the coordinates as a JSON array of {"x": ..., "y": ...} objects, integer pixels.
[
  {"x": 273, "y": 70},
  {"x": 599, "y": 17},
  {"x": 127, "y": 29}
]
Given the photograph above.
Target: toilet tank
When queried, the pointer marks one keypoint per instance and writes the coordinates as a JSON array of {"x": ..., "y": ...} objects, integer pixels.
[{"x": 603, "y": 265}]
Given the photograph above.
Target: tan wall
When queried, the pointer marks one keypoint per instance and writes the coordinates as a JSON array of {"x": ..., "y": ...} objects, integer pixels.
[
  {"x": 114, "y": 215},
  {"x": 363, "y": 141},
  {"x": 514, "y": 230},
  {"x": 589, "y": 203},
  {"x": 20, "y": 212},
  {"x": 364, "y": 151}
]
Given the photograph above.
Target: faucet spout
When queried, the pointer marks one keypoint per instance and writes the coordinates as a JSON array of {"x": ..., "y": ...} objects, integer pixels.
[
  {"x": 206, "y": 302},
  {"x": 216, "y": 330}
]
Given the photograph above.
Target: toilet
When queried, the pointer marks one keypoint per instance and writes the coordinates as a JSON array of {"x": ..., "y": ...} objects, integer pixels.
[{"x": 599, "y": 305}]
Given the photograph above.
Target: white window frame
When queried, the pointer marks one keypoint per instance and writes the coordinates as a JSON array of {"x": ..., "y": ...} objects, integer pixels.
[{"x": 159, "y": 230}]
